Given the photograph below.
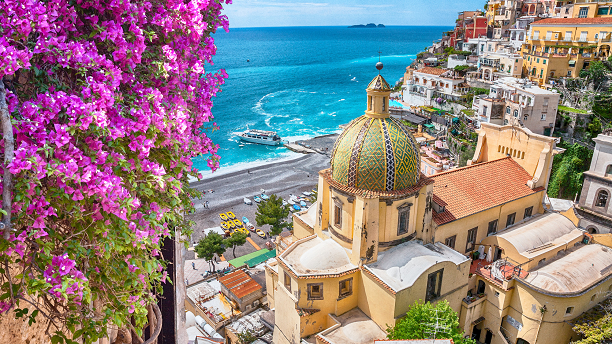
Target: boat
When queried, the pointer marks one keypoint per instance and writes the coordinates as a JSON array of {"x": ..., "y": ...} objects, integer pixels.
[
  {"x": 296, "y": 207},
  {"x": 250, "y": 227},
  {"x": 237, "y": 223},
  {"x": 256, "y": 199},
  {"x": 224, "y": 225},
  {"x": 285, "y": 203},
  {"x": 242, "y": 230},
  {"x": 231, "y": 224},
  {"x": 302, "y": 203},
  {"x": 307, "y": 193},
  {"x": 264, "y": 196},
  {"x": 231, "y": 215},
  {"x": 263, "y": 137},
  {"x": 247, "y": 201},
  {"x": 245, "y": 220},
  {"x": 260, "y": 233},
  {"x": 291, "y": 202},
  {"x": 223, "y": 216}
]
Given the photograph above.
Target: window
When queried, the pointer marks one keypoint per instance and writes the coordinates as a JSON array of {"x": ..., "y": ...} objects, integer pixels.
[
  {"x": 583, "y": 12},
  {"x": 609, "y": 170},
  {"x": 602, "y": 199},
  {"x": 568, "y": 36},
  {"x": 569, "y": 310},
  {"x": 528, "y": 212},
  {"x": 538, "y": 61},
  {"x": 510, "y": 219},
  {"x": 315, "y": 291},
  {"x": 346, "y": 288},
  {"x": 602, "y": 11},
  {"x": 548, "y": 35},
  {"x": 337, "y": 215},
  {"x": 496, "y": 294},
  {"x": 541, "y": 261},
  {"x": 544, "y": 61},
  {"x": 434, "y": 284},
  {"x": 403, "y": 215},
  {"x": 525, "y": 118},
  {"x": 593, "y": 297},
  {"x": 508, "y": 110},
  {"x": 471, "y": 239},
  {"x": 583, "y": 36},
  {"x": 384, "y": 104},
  {"x": 543, "y": 118},
  {"x": 516, "y": 113},
  {"x": 370, "y": 102},
  {"x": 492, "y": 227},
  {"x": 569, "y": 73},
  {"x": 287, "y": 282},
  {"x": 450, "y": 241},
  {"x": 536, "y": 34},
  {"x": 545, "y": 102}
]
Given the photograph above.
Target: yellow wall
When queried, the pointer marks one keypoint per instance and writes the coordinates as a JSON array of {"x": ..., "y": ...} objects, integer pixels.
[
  {"x": 286, "y": 319},
  {"x": 271, "y": 283},
  {"x": 376, "y": 302}
]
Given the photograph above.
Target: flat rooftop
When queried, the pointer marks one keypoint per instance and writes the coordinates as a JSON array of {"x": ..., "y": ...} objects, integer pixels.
[
  {"x": 315, "y": 256},
  {"x": 574, "y": 273},
  {"x": 354, "y": 328},
  {"x": 400, "y": 266}
]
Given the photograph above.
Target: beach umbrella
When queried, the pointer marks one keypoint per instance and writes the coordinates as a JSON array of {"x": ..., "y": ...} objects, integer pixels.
[{"x": 490, "y": 255}]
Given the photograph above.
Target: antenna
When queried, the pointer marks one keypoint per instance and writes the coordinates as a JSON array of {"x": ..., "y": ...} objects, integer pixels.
[{"x": 437, "y": 327}]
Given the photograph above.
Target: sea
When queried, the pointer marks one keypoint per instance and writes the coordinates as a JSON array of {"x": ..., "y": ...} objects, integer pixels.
[{"x": 301, "y": 82}]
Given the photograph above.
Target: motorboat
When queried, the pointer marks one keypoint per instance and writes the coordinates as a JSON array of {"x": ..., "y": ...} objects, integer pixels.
[
  {"x": 247, "y": 201},
  {"x": 231, "y": 224},
  {"x": 303, "y": 204},
  {"x": 307, "y": 193},
  {"x": 237, "y": 223},
  {"x": 250, "y": 226},
  {"x": 285, "y": 203},
  {"x": 224, "y": 225},
  {"x": 296, "y": 207},
  {"x": 223, "y": 216},
  {"x": 230, "y": 215},
  {"x": 256, "y": 199},
  {"x": 245, "y": 219},
  {"x": 260, "y": 233},
  {"x": 264, "y": 196},
  {"x": 291, "y": 202},
  {"x": 263, "y": 137}
]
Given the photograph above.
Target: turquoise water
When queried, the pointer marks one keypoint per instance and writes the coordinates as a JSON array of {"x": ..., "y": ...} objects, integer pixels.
[
  {"x": 301, "y": 81},
  {"x": 396, "y": 103}
]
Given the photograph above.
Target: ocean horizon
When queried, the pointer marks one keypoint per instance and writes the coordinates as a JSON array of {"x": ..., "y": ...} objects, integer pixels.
[{"x": 301, "y": 81}]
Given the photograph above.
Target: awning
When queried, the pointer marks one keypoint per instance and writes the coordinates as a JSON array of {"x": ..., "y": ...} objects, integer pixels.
[
  {"x": 429, "y": 125},
  {"x": 572, "y": 62},
  {"x": 478, "y": 321}
]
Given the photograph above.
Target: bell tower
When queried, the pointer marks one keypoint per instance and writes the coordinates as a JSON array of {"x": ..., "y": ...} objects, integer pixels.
[{"x": 378, "y": 96}]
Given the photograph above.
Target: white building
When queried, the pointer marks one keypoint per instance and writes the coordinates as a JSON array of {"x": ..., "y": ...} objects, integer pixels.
[
  {"x": 427, "y": 85},
  {"x": 497, "y": 59},
  {"x": 523, "y": 104},
  {"x": 594, "y": 207}
]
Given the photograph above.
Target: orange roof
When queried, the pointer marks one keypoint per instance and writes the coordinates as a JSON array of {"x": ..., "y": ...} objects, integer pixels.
[
  {"x": 432, "y": 70},
  {"x": 573, "y": 21},
  {"x": 239, "y": 283},
  {"x": 472, "y": 189}
]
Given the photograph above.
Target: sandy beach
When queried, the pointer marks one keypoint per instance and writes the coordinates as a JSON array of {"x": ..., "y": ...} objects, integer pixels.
[{"x": 291, "y": 175}]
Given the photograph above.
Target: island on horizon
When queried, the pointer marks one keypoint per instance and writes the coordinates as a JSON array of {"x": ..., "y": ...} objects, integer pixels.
[{"x": 369, "y": 26}]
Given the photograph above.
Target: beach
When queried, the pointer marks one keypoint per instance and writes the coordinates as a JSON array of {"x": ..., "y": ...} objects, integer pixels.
[{"x": 292, "y": 175}]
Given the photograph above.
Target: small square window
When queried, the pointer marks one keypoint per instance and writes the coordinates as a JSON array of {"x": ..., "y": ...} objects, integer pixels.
[
  {"x": 543, "y": 118},
  {"x": 450, "y": 241},
  {"x": 510, "y": 219},
  {"x": 315, "y": 291},
  {"x": 569, "y": 310},
  {"x": 528, "y": 212},
  {"x": 346, "y": 288}
]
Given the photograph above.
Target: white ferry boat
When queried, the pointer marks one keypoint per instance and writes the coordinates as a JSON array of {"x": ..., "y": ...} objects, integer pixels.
[{"x": 260, "y": 136}]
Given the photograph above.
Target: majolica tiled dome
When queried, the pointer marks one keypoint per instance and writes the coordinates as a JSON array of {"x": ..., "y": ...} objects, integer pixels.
[{"x": 378, "y": 154}]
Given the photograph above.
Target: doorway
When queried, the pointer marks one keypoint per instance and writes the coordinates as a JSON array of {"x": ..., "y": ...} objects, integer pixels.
[
  {"x": 488, "y": 337},
  {"x": 476, "y": 333},
  {"x": 481, "y": 287}
]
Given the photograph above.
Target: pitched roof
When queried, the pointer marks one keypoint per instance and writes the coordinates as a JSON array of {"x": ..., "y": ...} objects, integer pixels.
[
  {"x": 379, "y": 84},
  {"x": 475, "y": 188},
  {"x": 239, "y": 283},
  {"x": 432, "y": 70},
  {"x": 574, "y": 21}
]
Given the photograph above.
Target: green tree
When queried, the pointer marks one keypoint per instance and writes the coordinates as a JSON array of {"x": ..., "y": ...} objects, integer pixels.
[
  {"x": 210, "y": 245},
  {"x": 246, "y": 337},
  {"x": 566, "y": 174},
  {"x": 595, "y": 325},
  {"x": 419, "y": 321},
  {"x": 596, "y": 72},
  {"x": 237, "y": 239},
  {"x": 272, "y": 212}
]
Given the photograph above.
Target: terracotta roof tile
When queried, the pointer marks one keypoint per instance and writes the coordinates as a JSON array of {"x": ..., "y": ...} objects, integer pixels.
[
  {"x": 475, "y": 188},
  {"x": 239, "y": 283},
  {"x": 572, "y": 21},
  {"x": 432, "y": 70}
]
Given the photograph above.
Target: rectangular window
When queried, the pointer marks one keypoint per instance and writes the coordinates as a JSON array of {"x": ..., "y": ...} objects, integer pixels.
[
  {"x": 346, "y": 288},
  {"x": 548, "y": 35},
  {"x": 543, "y": 118},
  {"x": 402, "y": 220},
  {"x": 538, "y": 61},
  {"x": 450, "y": 241},
  {"x": 569, "y": 310},
  {"x": 602, "y": 11},
  {"x": 287, "y": 282},
  {"x": 434, "y": 285},
  {"x": 536, "y": 35},
  {"x": 528, "y": 212},
  {"x": 315, "y": 291},
  {"x": 545, "y": 102},
  {"x": 370, "y": 102},
  {"x": 583, "y": 12},
  {"x": 384, "y": 104},
  {"x": 471, "y": 239},
  {"x": 568, "y": 36},
  {"x": 510, "y": 219},
  {"x": 337, "y": 215},
  {"x": 492, "y": 227},
  {"x": 583, "y": 36},
  {"x": 544, "y": 61}
]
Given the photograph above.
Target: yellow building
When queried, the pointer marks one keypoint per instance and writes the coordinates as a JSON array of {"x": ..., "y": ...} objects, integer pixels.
[
  {"x": 562, "y": 47},
  {"x": 382, "y": 235},
  {"x": 587, "y": 9}
]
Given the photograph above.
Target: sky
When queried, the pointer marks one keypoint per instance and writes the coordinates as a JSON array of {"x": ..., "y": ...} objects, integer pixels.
[{"x": 267, "y": 13}]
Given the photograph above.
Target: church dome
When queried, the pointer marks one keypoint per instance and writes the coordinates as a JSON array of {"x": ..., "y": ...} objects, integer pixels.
[
  {"x": 375, "y": 151},
  {"x": 378, "y": 154}
]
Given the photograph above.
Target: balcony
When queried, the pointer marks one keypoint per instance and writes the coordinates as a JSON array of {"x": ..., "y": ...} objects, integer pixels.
[{"x": 499, "y": 272}]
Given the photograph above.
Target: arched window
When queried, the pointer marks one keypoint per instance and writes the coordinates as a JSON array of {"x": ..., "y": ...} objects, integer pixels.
[
  {"x": 516, "y": 113},
  {"x": 609, "y": 170},
  {"x": 602, "y": 198},
  {"x": 508, "y": 110}
]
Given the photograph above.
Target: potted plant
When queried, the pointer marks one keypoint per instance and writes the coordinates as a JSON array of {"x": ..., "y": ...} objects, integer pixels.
[{"x": 476, "y": 255}]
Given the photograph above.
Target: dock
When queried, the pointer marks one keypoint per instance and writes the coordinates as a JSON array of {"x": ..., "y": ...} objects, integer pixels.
[{"x": 298, "y": 148}]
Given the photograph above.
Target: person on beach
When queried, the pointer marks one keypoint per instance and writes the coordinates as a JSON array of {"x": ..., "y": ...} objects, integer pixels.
[{"x": 193, "y": 265}]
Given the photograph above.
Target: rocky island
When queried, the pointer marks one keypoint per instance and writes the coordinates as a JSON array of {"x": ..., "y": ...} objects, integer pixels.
[{"x": 368, "y": 26}]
